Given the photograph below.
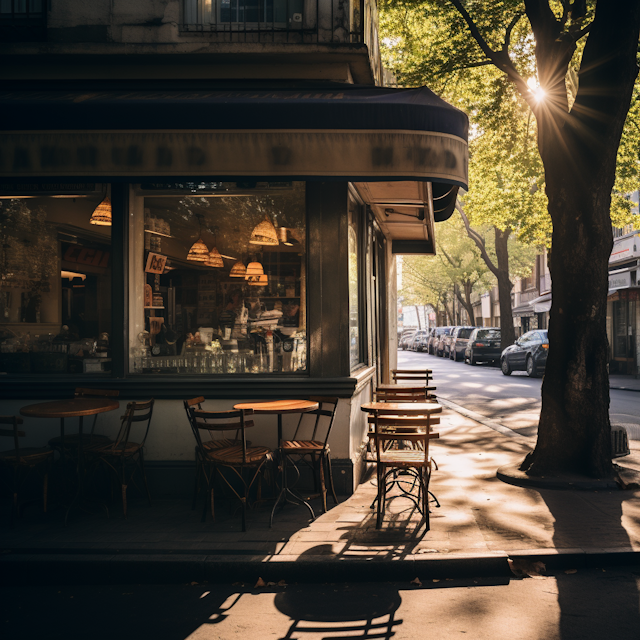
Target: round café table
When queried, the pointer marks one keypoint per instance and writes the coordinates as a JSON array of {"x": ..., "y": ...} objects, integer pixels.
[
  {"x": 279, "y": 408},
  {"x": 72, "y": 408}
]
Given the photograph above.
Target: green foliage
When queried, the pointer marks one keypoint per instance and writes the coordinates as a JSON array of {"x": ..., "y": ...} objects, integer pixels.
[{"x": 427, "y": 42}]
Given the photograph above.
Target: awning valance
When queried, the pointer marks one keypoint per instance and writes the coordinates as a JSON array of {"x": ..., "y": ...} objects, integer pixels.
[{"x": 345, "y": 131}]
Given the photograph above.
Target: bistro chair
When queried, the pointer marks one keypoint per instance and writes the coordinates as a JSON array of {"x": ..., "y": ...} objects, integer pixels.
[
  {"x": 236, "y": 458},
  {"x": 17, "y": 460},
  {"x": 316, "y": 449},
  {"x": 208, "y": 444},
  {"x": 70, "y": 441},
  {"x": 123, "y": 456},
  {"x": 420, "y": 377},
  {"x": 417, "y": 461}
]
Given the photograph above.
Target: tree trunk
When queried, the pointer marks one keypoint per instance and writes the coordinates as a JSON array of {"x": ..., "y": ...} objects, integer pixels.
[
  {"x": 415, "y": 306},
  {"x": 579, "y": 152},
  {"x": 466, "y": 301},
  {"x": 507, "y": 332}
]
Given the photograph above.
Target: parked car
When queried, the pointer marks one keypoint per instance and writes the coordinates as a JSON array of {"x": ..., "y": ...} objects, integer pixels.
[
  {"x": 444, "y": 334},
  {"x": 421, "y": 343},
  {"x": 528, "y": 353},
  {"x": 483, "y": 345},
  {"x": 434, "y": 338},
  {"x": 446, "y": 342},
  {"x": 416, "y": 344},
  {"x": 407, "y": 337},
  {"x": 458, "y": 342}
]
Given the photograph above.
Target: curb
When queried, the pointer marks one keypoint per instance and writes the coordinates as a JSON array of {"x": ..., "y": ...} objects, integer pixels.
[
  {"x": 84, "y": 569},
  {"x": 29, "y": 569}
]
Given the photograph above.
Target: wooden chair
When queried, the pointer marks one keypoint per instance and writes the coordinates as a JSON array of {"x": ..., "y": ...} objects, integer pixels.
[
  {"x": 316, "y": 449},
  {"x": 420, "y": 377},
  {"x": 208, "y": 444},
  {"x": 389, "y": 459},
  {"x": 236, "y": 458},
  {"x": 70, "y": 441},
  {"x": 19, "y": 459},
  {"x": 123, "y": 452}
]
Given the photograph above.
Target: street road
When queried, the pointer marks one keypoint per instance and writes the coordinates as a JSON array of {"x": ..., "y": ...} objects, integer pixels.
[
  {"x": 583, "y": 605},
  {"x": 513, "y": 401}
]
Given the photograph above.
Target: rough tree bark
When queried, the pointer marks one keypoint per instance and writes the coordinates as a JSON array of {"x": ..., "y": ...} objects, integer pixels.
[
  {"x": 578, "y": 148},
  {"x": 500, "y": 271}
]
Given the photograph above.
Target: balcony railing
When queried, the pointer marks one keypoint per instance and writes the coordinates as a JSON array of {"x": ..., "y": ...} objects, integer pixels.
[{"x": 298, "y": 21}]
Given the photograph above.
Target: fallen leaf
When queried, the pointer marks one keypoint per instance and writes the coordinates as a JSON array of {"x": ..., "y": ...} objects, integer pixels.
[
  {"x": 435, "y": 580},
  {"x": 261, "y": 583},
  {"x": 271, "y": 584},
  {"x": 522, "y": 568},
  {"x": 417, "y": 582},
  {"x": 193, "y": 584},
  {"x": 282, "y": 583},
  {"x": 569, "y": 571}
]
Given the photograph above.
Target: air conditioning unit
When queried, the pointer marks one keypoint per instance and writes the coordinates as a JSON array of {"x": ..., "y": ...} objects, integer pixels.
[{"x": 619, "y": 442}]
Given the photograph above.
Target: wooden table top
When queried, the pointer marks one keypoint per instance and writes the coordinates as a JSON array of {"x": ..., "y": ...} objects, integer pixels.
[
  {"x": 279, "y": 406},
  {"x": 408, "y": 408},
  {"x": 72, "y": 408}
]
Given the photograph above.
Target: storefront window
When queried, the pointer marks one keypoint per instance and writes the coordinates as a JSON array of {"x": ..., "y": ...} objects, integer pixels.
[
  {"x": 218, "y": 283},
  {"x": 355, "y": 351},
  {"x": 55, "y": 284}
]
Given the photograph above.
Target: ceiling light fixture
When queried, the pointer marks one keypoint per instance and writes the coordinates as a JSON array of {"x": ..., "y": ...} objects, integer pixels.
[
  {"x": 238, "y": 270},
  {"x": 264, "y": 233},
  {"x": 102, "y": 213}
]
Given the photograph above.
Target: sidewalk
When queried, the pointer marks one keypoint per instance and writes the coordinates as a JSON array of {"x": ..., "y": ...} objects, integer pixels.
[
  {"x": 624, "y": 383},
  {"x": 481, "y": 523}
]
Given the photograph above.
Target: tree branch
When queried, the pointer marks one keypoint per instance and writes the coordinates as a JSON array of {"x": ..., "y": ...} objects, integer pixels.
[
  {"x": 475, "y": 236},
  {"x": 500, "y": 59},
  {"x": 507, "y": 35}
]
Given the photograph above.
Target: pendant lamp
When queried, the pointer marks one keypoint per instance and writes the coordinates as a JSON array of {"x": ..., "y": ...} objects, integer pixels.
[
  {"x": 259, "y": 281},
  {"x": 264, "y": 233},
  {"x": 102, "y": 213},
  {"x": 238, "y": 270},
  {"x": 214, "y": 259},
  {"x": 253, "y": 269},
  {"x": 198, "y": 251}
]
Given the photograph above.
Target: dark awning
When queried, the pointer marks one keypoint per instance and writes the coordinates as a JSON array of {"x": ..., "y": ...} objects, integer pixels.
[{"x": 347, "y": 131}]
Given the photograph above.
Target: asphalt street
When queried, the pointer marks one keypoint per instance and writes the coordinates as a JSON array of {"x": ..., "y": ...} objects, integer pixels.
[
  {"x": 513, "y": 401},
  {"x": 577, "y": 605}
]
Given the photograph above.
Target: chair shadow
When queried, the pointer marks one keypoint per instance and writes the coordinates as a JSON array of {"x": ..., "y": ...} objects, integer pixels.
[
  {"x": 576, "y": 597},
  {"x": 341, "y": 610}
]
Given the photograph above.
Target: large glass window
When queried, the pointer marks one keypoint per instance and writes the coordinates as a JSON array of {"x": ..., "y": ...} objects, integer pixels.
[
  {"x": 218, "y": 282},
  {"x": 355, "y": 338},
  {"x": 55, "y": 284}
]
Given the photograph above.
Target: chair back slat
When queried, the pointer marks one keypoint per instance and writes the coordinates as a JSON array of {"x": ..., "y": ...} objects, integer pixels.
[
  {"x": 135, "y": 412},
  {"x": 327, "y": 408},
  {"x": 402, "y": 394},
  {"x": 13, "y": 421},
  {"x": 233, "y": 419},
  {"x": 385, "y": 430},
  {"x": 414, "y": 375}
]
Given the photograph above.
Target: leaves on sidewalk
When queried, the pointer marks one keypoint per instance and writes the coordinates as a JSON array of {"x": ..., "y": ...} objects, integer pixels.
[
  {"x": 417, "y": 582},
  {"x": 523, "y": 568},
  {"x": 260, "y": 584}
]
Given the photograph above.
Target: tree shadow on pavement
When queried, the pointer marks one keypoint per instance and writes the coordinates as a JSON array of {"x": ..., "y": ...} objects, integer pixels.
[{"x": 576, "y": 602}]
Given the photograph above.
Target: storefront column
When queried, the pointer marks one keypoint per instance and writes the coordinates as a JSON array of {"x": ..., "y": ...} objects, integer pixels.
[
  {"x": 119, "y": 278},
  {"x": 328, "y": 279}
]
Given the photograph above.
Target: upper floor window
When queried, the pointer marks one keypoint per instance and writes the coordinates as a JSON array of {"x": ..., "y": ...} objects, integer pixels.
[
  {"x": 256, "y": 14},
  {"x": 23, "y": 20}
]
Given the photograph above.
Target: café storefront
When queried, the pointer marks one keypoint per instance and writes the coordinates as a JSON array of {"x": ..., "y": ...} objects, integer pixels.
[{"x": 233, "y": 244}]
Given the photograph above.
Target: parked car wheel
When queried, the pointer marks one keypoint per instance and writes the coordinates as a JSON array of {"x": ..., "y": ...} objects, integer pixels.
[
  {"x": 452, "y": 354},
  {"x": 472, "y": 360},
  {"x": 532, "y": 371},
  {"x": 506, "y": 369}
]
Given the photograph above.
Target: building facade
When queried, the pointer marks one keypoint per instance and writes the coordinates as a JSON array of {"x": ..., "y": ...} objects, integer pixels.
[{"x": 207, "y": 198}]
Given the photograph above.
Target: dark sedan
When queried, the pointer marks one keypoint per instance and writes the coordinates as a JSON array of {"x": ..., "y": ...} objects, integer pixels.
[
  {"x": 529, "y": 353},
  {"x": 458, "y": 343},
  {"x": 483, "y": 345}
]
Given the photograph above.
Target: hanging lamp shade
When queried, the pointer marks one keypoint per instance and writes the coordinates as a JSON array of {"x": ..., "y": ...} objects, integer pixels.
[
  {"x": 102, "y": 213},
  {"x": 264, "y": 233},
  {"x": 198, "y": 251},
  {"x": 253, "y": 269},
  {"x": 238, "y": 270},
  {"x": 259, "y": 281},
  {"x": 214, "y": 259}
]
